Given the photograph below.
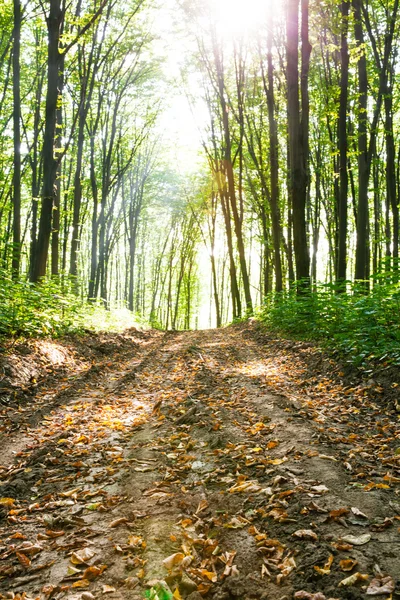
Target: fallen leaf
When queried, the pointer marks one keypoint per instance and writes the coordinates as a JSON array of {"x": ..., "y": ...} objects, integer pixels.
[
  {"x": 54, "y": 534},
  {"x": 120, "y": 521},
  {"x": 136, "y": 541},
  {"x": 326, "y": 569},
  {"x": 173, "y": 561},
  {"x": 108, "y": 589},
  {"x": 247, "y": 486},
  {"x": 381, "y": 585},
  {"x": 132, "y": 582},
  {"x": 23, "y": 559},
  {"x": 353, "y": 579},
  {"x": 81, "y": 583},
  {"x": 203, "y": 504},
  {"x": 348, "y": 564},
  {"x": 95, "y": 571},
  {"x": 340, "y": 512},
  {"x": 358, "y": 512},
  {"x": 81, "y": 557},
  {"x": 7, "y": 501},
  {"x": 319, "y": 489},
  {"x": 305, "y": 534},
  {"x": 31, "y": 549},
  {"x": 357, "y": 540},
  {"x": 303, "y": 595},
  {"x": 327, "y": 457}
]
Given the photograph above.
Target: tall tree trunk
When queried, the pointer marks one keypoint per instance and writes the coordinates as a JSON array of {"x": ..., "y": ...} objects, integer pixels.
[
  {"x": 342, "y": 147},
  {"x": 55, "y": 230},
  {"x": 298, "y": 132},
  {"x": 16, "y": 256},
  {"x": 95, "y": 223},
  {"x": 391, "y": 191},
  {"x": 54, "y": 61},
  {"x": 73, "y": 266},
  {"x": 361, "y": 269},
  {"x": 274, "y": 167},
  {"x": 228, "y": 169}
]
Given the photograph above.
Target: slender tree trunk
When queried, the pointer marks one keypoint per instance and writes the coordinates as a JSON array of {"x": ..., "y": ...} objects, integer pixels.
[
  {"x": 342, "y": 147},
  {"x": 274, "y": 168},
  {"x": 55, "y": 232},
  {"x": 228, "y": 169},
  {"x": 391, "y": 191},
  {"x": 54, "y": 61},
  {"x": 73, "y": 267},
  {"x": 361, "y": 268},
  {"x": 298, "y": 132},
  {"x": 95, "y": 225},
  {"x": 16, "y": 257}
]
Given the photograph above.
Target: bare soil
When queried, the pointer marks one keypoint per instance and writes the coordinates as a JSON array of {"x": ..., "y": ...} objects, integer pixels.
[{"x": 213, "y": 464}]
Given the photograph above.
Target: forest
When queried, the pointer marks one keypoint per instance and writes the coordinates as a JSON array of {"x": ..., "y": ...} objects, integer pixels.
[
  {"x": 199, "y": 299},
  {"x": 292, "y": 188}
]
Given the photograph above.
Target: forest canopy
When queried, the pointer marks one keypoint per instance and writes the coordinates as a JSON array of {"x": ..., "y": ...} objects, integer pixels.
[{"x": 193, "y": 161}]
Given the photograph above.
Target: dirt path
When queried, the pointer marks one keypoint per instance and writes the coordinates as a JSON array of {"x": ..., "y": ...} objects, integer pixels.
[{"x": 205, "y": 460}]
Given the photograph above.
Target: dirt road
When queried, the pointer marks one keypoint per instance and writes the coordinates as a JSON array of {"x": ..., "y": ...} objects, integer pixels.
[{"x": 205, "y": 460}]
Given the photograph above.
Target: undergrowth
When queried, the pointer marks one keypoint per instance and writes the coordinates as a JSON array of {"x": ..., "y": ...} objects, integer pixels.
[
  {"x": 362, "y": 328},
  {"x": 52, "y": 309}
]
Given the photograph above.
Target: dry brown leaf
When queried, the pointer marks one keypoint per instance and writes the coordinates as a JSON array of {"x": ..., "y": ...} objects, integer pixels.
[
  {"x": 356, "y": 511},
  {"x": 303, "y": 595},
  {"x": 108, "y": 589},
  {"x": 7, "y": 501},
  {"x": 135, "y": 541},
  {"x": 353, "y": 579},
  {"x": 54, "y": 534},
  {"x": 203, "y": 504},
  {"x": 358, "y": 540},
  {"x": 305, "y": 534},
  {"x": 348, "y": 564},
  {"x": 31, "y": 549},
  {"x": 381, "y": 585},
  {"x": 23, "y": 559},
  {"x": 173, "y": 561},
  {"x": 340, "y": 512},
  {"x": 95, "y": 571},
  {"x": 326, "y": 569},
  {"x": 82, "y": 583},
  {"x": 246, "y": 486},
  {"x": 120, "y": 521},
  {"x": 81, "y": 557}
]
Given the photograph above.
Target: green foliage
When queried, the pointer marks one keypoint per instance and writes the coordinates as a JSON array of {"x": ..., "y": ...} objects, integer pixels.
[
  {"x": 51, "y": 310},
  {"x": 362, "y": 328}
]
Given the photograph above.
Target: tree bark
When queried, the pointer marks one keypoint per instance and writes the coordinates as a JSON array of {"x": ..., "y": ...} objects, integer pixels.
[
  {"x": 54, "y": 61},
  {"x": 342, "y": 147},
  {"x": 361, "y": 268},
  {"x": 298, "y": 133},
  {"x": 16, "y": 256}
]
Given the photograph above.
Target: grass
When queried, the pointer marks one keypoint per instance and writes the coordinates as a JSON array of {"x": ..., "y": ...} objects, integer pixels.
[
  {"x": 361, "y": 328},
  {"x": 51, "y": 309}
]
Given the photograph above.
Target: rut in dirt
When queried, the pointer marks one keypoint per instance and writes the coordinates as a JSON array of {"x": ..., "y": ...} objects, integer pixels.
[{"x": 202, "y": 465}]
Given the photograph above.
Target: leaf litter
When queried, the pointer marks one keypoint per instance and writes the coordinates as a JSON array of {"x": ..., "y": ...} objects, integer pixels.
[{"x": 224, "y": 476}]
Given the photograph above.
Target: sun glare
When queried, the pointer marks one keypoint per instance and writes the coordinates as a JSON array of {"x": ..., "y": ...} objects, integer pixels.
[{"x": 237, "y": 17}]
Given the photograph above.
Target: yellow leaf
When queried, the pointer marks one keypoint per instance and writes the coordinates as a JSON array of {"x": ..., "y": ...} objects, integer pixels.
[
  {"x": 7, "y": 501},
  {"x": 348, "y": 564},
  {"x": 82, "y": 583},
  {"x": 173, "y": 561},
  {"x": 353, "y": 579},
  {"x": 82, "y": 556},
  {"x": 108, "y": 589},
  {"x": 277, "y": 461}
]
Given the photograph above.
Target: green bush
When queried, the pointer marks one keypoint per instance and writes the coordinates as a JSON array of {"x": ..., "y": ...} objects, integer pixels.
[
  {"x": 361, "y": 327},
  {"x": 52, "y": 309}
]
